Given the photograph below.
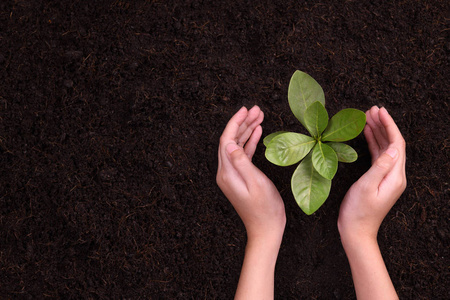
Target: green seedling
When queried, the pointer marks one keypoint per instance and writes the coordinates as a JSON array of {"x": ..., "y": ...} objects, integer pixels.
[{"x": 319, "y": 153}]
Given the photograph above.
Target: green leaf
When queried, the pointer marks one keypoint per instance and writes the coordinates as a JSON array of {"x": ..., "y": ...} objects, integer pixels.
[
  {"x": 344, "y": 152},
  {"x": 310, "y": 189},
  {"x": 268, "y": 138},
  {"x": 345, "y": 125},
  {"x": 316, "y": 119},
  {"x": 289, "y": 148},
  {"x": 303, "y": 91},
  {"x": 324, "y": 160}
]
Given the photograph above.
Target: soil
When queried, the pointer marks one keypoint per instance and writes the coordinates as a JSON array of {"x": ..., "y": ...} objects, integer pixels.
[{"x": 110, "y": 118}]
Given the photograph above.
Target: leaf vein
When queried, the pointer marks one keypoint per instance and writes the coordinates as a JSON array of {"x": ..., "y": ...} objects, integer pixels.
[{"x": 339, "y": 129}]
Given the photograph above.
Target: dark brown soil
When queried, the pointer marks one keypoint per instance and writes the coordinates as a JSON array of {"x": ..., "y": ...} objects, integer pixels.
[{"x": 110, "y": 117}]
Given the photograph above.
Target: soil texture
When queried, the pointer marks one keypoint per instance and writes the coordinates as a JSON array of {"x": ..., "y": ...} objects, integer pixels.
[{"x": 110, "y": 118}]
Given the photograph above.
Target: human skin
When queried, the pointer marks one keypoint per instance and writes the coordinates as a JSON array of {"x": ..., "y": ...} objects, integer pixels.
[
  {"x": 255, "y": 199},
  {"x": 367, "y": 203},
  {"x": 261, "y": 208}
]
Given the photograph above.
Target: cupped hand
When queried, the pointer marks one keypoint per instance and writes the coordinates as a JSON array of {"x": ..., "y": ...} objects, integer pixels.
[
  {"x": 370, "y": 198},
  {"x": 252, "y": 194}
]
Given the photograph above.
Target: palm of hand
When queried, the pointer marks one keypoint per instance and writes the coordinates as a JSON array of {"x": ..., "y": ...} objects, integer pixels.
[
  {"x": 372, "y": 196},
  {"x": 253, "y": 195}
]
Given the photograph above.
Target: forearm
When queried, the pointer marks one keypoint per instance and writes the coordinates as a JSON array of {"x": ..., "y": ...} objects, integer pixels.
[
  {"x": 370, "y": 276},
  {"x": 257, "y": 274}
]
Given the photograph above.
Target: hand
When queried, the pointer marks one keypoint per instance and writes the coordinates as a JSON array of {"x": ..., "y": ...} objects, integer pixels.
[
  {"x": 367, "y": 203},
  {"x": 252, "y": 194},
  {"x": 255, "y": 199},
  {"x": 369, "y": 200}
]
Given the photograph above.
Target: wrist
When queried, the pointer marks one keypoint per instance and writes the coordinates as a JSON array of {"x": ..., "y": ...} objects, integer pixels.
[
  {"x": 357, "y": 231},
  {"x": 369, "y": 273},
  {"x": 258, "y": 270},
  {"x": 267, "y": 241},
  {"x": 353, "y": 240},
  {"x": 267, "y": 244},
  {"x": 263, "y": 251},
  {"x": 267, "y": 235}
]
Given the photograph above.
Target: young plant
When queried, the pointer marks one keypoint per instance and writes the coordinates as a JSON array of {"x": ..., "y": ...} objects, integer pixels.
[{"x": 319, "y": 153}]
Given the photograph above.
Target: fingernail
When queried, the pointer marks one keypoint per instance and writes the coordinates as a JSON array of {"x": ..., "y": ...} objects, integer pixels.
[
  {"x": 231, "y": 148},
  {"x": 392, "y": 152},
  {"x": 242, "y": 108}
]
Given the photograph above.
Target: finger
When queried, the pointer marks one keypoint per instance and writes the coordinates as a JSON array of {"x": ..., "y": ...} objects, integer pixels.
[
  {"x": 228, "y": 178},
  {"x": 229, "y": 135},
  {"x": 392, "y": 131},
  {"x": 374, "y": 148},
  {"x": 231, "y": 130},
  {"x": 394, "y": 183},
  {"x": 377, "y": 128},
  {"x": 246, "y": 136},
  {"x": 250, "y": 146},
  {"x": 380, "y": 168},
  {"x": 242, "y": 163},
  {"x": 395, "y": 138},
  {"x": 253, "y": 119}
]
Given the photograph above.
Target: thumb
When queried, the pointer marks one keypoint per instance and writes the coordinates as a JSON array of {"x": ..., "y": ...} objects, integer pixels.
[
  {"x": 382, "y": 166},
  {"x": 241, "y": 162}
]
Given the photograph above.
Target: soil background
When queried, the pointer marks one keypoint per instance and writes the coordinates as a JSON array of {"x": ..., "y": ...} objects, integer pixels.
[{"x": 110, "y": 118}]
